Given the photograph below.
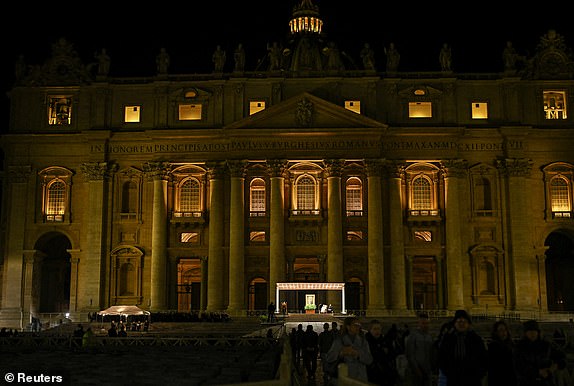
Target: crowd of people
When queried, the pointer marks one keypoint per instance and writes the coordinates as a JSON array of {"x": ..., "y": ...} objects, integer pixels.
[{"x": 457, "y": 356}]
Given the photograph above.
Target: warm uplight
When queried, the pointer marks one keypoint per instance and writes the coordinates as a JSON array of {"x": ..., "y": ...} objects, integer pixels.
[{"x": 308, "y": 24}]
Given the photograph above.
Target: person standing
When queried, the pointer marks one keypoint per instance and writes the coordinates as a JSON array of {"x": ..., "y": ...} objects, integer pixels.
[
  {"x": 270, "y": 312},
  {"x": 351, "y": 347},
  {"x": 326, "y": 338},
  {"x": 382, "y": 370},
  {"x": 500, "y": 362},
  {"x": 310, "y": 351},
  {"x": 462, "y": 353},
  {"x": 536, "y": 359},
  {"x": 419, "y": 351}
]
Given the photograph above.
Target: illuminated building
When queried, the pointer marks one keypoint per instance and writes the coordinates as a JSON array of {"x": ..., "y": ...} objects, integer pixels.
[{"x": 436, "y": 190}]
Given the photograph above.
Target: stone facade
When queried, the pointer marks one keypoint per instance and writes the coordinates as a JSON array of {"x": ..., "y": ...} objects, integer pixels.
[{"x": 432, "y": 191}]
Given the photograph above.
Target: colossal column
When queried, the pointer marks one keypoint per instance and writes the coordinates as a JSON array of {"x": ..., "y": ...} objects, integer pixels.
[
  {"x": 375, "y": 245},
  {"x": 455, "y": 257},
  {"x": 158, "y": 171},
  {"x": 395, "y": 174},
  {"x": 216, "y": 266},
  {"x": 522, "y": 263},
  {"x": 236, "y": 239},
  {"x": 333, "y": 170},
  {"x": 92, "y": 271},
  {"x": 277, "y": 225}
]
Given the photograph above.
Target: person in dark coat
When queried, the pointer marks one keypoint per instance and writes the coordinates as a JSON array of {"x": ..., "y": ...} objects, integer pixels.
[
  {"x": 382, "y": 370},
  {"x": 500, "y": 361},
  {"x": 462, "y": 354},
  {"x": 310, "y": 351},
  {"x": 536, "y": 359}
]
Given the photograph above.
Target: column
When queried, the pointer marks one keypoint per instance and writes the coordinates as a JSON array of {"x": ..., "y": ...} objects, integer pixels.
[
  {"x": 335, "y": 274},
  {"x": 216, "y": 267},
  {"x": 453, "y": 170},
  {"x": 91, "y": 270},
  {"x": 375, "y": 245},
  {"x": 29, "y": 306},
  {"x": 440, "y": 282},
  {"x": 74, "y": 265},
  {"x": 398, "y": 275},
  {"x": 236, "y": 239},
  {"x": 203, "y": 297},
  {"x": 16, "y": 208},
  {"x": 158, "y": 172},
  {"x": 522, "y": 269},
  {"x": 277, "y": 225}
]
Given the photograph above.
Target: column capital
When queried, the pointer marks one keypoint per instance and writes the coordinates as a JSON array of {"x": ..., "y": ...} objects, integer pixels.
[
  {"x": 394, "y": 169},
  {"x": 276, "y": 167},
  {"x": 157, "y": 170},
  {"x": 374, "y": 167},
  {"x": 333, "y": 167},
  {"x": 97, "y": 171},
  {"x": 454, "y": 167},
  {"x": 237, "y": 167},
  {"x": 18, "y": 173},
  {"x": 515, "y": 167},
  {"x": 216, "y": 170}
]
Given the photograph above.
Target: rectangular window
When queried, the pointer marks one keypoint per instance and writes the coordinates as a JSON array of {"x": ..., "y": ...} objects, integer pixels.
[
  {"x": 189, "y": 112},
  {"x": 256, "y": 106},
  {"x": 132, "y": 114},
  {"x": 555, "y": 105},
  {"x": 479, "y": 110},
  {"x": 60, "y": 110},
  {"x": 420, "y": 110},
  {"x": 354, "y": 106}
]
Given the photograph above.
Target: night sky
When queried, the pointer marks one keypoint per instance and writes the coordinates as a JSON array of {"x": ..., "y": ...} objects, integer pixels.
[{"x": 133, "y": 33}]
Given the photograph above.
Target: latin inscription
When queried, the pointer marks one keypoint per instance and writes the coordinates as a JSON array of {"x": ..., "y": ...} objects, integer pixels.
[{"x": 304, "y": 145}]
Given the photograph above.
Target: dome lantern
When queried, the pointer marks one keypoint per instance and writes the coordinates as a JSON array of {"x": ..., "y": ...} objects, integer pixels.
[{"x": 306, "y": 19}]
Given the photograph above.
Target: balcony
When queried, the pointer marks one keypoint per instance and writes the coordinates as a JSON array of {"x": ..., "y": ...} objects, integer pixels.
[
  {"x": 306, "y": 215},
  {"x": 424, "y": 216},
  {"x": 188, "y": 217}
]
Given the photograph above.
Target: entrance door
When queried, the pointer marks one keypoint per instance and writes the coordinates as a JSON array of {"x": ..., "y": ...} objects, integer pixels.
[{"x": 424, "y": 283}]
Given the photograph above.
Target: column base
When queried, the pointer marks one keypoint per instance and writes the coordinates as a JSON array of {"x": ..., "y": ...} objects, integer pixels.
[{"x": 13, "y": 318}]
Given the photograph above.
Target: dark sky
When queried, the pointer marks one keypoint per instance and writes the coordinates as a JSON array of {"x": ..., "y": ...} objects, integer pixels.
[{"x": 133, "y": 33}]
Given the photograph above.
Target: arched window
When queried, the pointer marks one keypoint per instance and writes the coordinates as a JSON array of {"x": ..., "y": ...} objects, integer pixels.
[
  {"x": 257, "y": 197},
  {"x": 421, "y": 193},
  {"x": 190, "y": 197},
  {"x": 560, "y": 195},
  {"x": 56, "y": 200},
  {"x": 354, "y": 197},
  {"x": 305, "y": 193}
]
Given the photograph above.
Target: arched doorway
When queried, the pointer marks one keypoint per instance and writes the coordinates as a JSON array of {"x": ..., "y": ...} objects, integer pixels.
[
  {"x": 559, "y": 271},
  {"x": 424, "y": 274},
  {"x": 258, "y": 299},
  {"x": 355, "y": 295},
  {"x": 52, "y": 275},
  {"x": 189, "y": 285}
]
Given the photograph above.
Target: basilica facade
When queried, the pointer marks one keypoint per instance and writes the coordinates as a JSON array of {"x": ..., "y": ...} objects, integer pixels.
[{"x": 305, "y": 182}]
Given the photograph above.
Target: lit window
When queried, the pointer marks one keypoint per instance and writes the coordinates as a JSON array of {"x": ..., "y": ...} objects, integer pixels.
[
  {"x": 55, "y": 193},
  {"x": 420, "y": 110},
  {"x": 354, "y": 235},
  {"x": 257, "y": 236},
  {"x": 560, "y": 197},
  {"x": 56, "y": 200},
  {"x": 256, "y": 106},
  {"x": 257, "y": 197},
  {"x": 189, "y": 237},
  {"x": 422, "y": 195},
  {"x": 189, "y": 202},
  {"x": 555, "y": 104},
  {"x": 425, "y": 236},
  {"x": 354, "y": 106},
  {"x": 60, "y": 110},
  {"x": 188, "y": 112},
  {"x": 479, "y": 110},
  {"x": 354, "y": 197},
  {"x": 305, "y": 193},
  {"x": 132, "y": 114}
]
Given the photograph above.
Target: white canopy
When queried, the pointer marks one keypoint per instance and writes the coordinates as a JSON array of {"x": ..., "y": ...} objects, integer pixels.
[{"x": 123, "y": 310}]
